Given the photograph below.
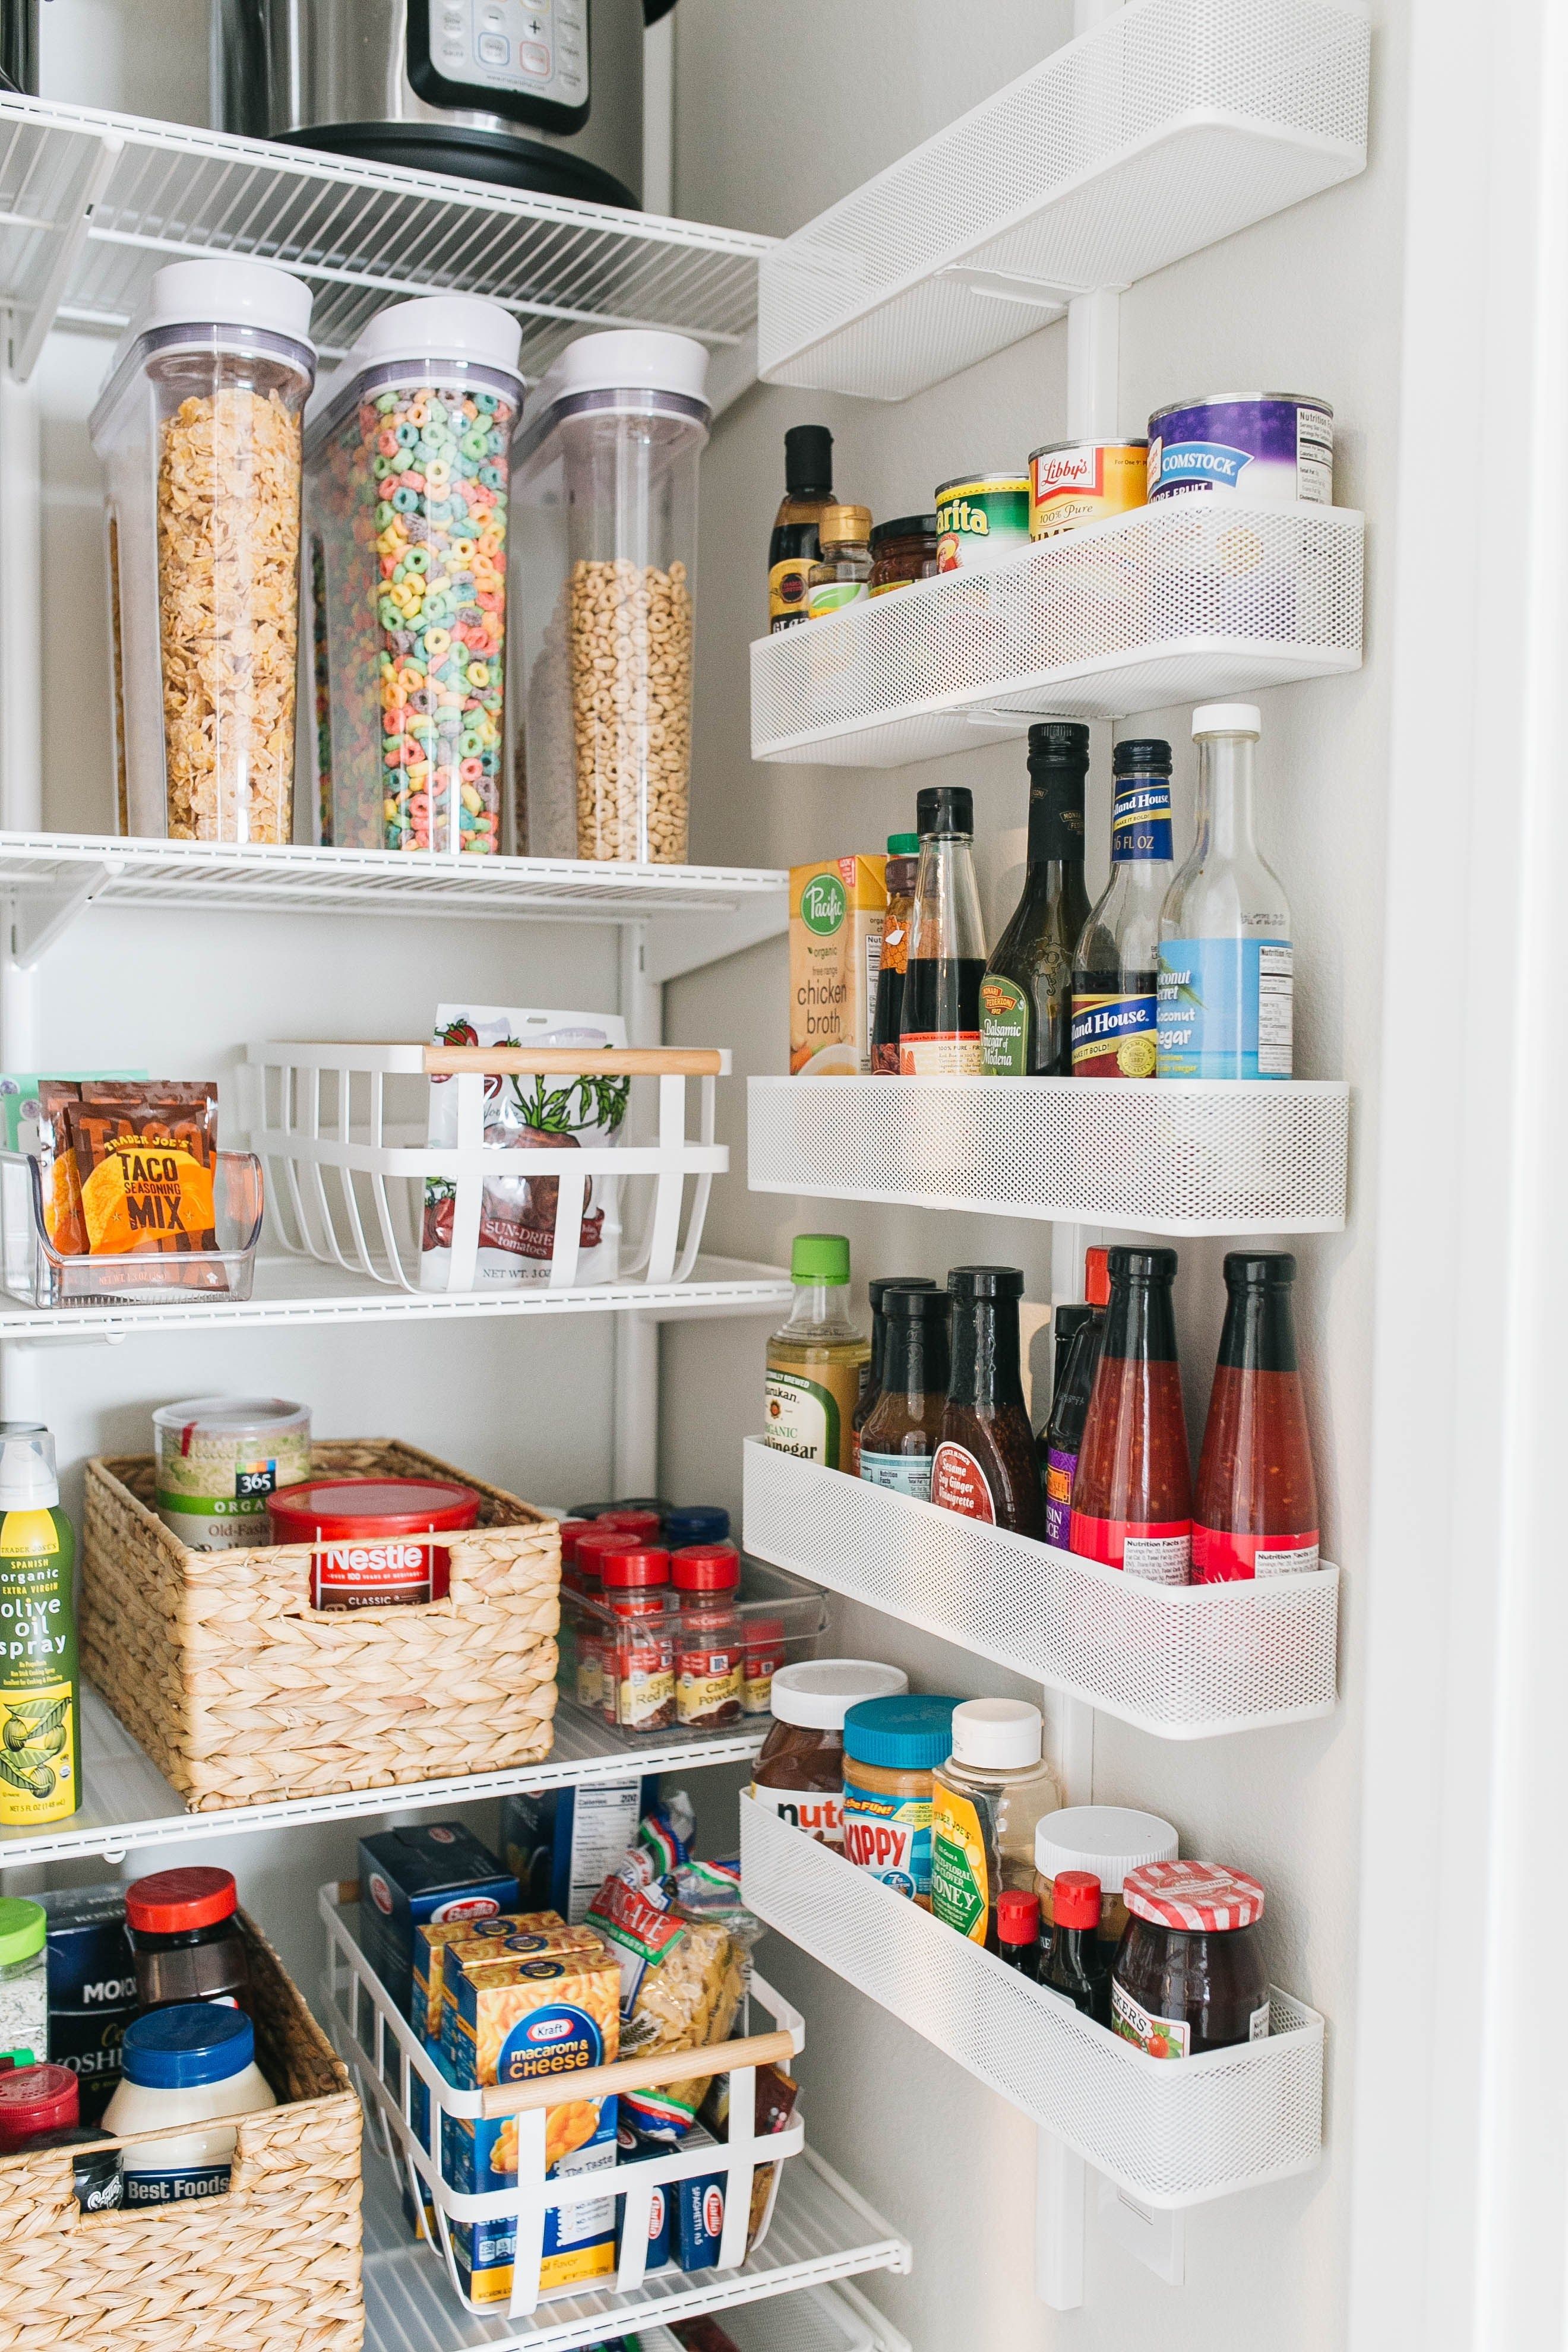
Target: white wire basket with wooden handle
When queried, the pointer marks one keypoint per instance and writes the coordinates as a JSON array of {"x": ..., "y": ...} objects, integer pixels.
[{"x": 343, "y": 1128}]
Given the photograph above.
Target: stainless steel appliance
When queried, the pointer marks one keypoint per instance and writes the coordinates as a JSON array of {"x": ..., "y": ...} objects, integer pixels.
[
  {"x": 538, "y": 94},
  {"x": 19, "y": 46}
]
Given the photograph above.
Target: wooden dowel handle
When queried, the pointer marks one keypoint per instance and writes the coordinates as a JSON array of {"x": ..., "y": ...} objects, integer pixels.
[
  {"x": 638, "y": 2073},
  {"x": 570, "y": 1062}
]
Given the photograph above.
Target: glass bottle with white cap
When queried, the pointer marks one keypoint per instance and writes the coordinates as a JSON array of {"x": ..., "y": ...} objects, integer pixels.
[
  {"x": 1107, "y": 1840},
  {"x": 41, "y": 1737},
  {"x": 800, "y": 1773},
  {"x": 987, "y": 1800},
  {"x": 1226, "y": 958}
]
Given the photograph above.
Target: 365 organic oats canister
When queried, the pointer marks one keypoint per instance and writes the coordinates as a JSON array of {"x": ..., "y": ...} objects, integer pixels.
[{"x": 219, "y": 1459}]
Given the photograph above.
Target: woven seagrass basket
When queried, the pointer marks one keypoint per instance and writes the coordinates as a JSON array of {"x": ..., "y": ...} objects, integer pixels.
[
  {"x": 274, "y": 2266},
  {"x": 242, "y": 1694}
]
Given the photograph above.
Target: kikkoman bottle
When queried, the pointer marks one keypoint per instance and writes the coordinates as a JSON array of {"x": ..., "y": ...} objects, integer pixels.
[
  {"x": 817, "y": 1360},
  {"x": 1116, "y": 973},
  {"x": 939, "y": 1024},
  {"x": 1225, "y": 958},
  {"x": 792, "y": 548},
  {"x": 40, "y": 1742},
  {"x": 1026, "y": 995}
]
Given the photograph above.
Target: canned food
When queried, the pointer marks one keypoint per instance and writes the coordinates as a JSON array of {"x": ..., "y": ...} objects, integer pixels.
[
  {"x": 1074, "y": 482},
  {"x": 980, "y": 520},
  {"x": 1269, "y": 449}
]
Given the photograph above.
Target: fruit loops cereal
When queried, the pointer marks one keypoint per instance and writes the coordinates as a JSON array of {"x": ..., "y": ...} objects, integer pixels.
[{"x": 631, "y": 702}]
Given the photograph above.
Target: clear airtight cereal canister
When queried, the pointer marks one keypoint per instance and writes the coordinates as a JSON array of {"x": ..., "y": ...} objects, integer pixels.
[
  {"x": 407, "y": 491},
  {"x": 198, "y": 431},
  {"x": 607, "y": 487}
]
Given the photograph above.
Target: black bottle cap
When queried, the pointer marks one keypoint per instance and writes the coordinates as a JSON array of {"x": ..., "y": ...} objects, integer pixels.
[
  {"x": 995, "y": 1281},
  {"x": 945, "y": 809},
  {"x": 1064, "y": 739},
  {"x": 808, "y": 461},
  {"x": 1252, "y": 1269},
  {"x": 1141, "y": 754},
  {"x": 1140, "y": 1264},
  {"x": 906, "y": 1304},
  {"x": 878, "y": 1286}
]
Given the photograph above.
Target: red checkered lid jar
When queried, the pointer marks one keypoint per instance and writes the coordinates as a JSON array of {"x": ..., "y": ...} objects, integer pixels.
[{"x": 1203, "y": 1897}]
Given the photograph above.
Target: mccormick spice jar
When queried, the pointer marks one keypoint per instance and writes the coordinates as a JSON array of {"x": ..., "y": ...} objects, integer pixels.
[
  {"x": 891, "y": 1748},
  {"x": 762, "y": 1655},
  {"x": 902, "y": 551},
  {"x": 1189, "y": 1974},
  {"x": 186, "y": 1938},
  {"x": 800, "y": 1773},
  {"x": 372, "y": 1538},
  {"x": 638, "y": 1676},
  {"x": 709, "y": 1674},
  {"x": 588, "y": 1569}
]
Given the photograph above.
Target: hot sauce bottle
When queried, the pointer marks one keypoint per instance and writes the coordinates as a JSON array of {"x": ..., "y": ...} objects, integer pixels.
[
  {"x": 1257, "y": 1511},
  {"x": 987, "y": 1465},
  {"x": 1133, "y": 1485}
]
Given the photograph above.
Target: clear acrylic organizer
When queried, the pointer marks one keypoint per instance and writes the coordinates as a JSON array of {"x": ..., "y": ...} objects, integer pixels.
[
  {"x": 778, "y": 1617},
  {"x": 35, "y": 1271}
]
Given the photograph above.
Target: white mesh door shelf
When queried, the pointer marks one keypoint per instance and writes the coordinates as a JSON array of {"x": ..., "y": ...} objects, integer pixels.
[
  {"x": 1193, "y": 598},
  {"x": 1172, "y": 2132},
  {"x": 1167, "y": 126},
  {"x": 1154, "y": 1155},
  {"x": 1187, "y": 1662}
]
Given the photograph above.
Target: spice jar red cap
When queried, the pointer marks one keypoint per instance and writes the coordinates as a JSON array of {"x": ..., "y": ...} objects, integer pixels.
[
  {"x": 352, "y": 1509},
  {"x": 35, "y": 2099},
  {"x": 763, "y": 1634},
  {"x": 630, "y": 1523},
  {"x": 1200, "y": 1897},
  {"x": 633, "y": 1564},
  {"x": 706, "y": 1567},
  {"x": 592, "y": 1547},
  {"x": 1095, "y": 1278},
  {"x": 1017, "y": 1916},
  {"x": 1075, "y": 1898},
  {"x": 571, "y": 1531},
  {"x": 173, "y": 1902}
]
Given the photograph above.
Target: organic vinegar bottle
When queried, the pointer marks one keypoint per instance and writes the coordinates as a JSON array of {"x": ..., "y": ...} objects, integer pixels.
[
  {"x": 1069, "y": 1405},
  {"x": 41, "y": 1737},
  {"x": 1025, "y": 997},
  {"x": 1257, "y": 1510},
  {"x": 792, "y": 548},
  {"x": 1225, "y": 958},
  {"x": 817, "y": 1360},
  {"x": 871, "y": 1387},
  {"x": 1133, "y": 1485},
  {"x": 902, "y": 873},
  {"x": 986, "y": 1465},
  {"x": 939, "y": 1034},
  {"x": 1116, "y": 976}
]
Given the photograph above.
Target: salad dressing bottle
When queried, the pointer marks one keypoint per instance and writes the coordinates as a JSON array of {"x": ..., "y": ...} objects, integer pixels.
[{"x": 816, "y": 1363}]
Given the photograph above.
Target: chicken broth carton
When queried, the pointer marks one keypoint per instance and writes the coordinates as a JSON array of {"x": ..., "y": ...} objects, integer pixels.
[{"x": 836, "y": 910}]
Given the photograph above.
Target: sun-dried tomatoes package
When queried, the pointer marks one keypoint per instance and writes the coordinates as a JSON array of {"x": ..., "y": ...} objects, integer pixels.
[{"x": 132, "y": 1167}]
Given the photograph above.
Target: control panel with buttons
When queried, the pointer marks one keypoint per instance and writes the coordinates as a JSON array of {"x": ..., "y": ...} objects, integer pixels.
[{"x": 535, "y": 49}]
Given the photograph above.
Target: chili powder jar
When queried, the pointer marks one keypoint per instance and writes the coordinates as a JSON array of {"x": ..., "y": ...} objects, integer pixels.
[
  {"x": 186, "y": 1936},
  {"x": 709, "y": 1660},
  {"x": 1189, "y": 1972}
]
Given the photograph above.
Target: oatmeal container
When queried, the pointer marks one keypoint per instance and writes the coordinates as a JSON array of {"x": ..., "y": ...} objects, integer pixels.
[
  {"x": 607, "y": 490},
  {"x": 1266, "y": 448},
  {"x": 198, "y": 431}
]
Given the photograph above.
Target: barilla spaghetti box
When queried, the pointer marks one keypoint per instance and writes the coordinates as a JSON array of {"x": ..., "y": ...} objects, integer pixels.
[
  {"x": 836, "y": 910},
  {"x": 410, "y": 1877},
  {"x": 430, "y": 1945},
  {"x": 564, "y": 1842}
]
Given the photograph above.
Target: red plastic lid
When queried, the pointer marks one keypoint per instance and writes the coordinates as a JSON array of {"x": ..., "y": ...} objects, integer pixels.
[
  {"x": 1017, "y": 1916},
  {"x": 344, "y": 1510},
  {"x": 171, "y": 1902},
  {"x": 1095, "y": 1278},
  {"x": 570, "y": 1532},
  {"x": 592, "y": 1547},
  {"x": 1075, "y": 1898},
  {"x": 35, "y": 2099},
  {"x": 632, "y": 1564},
  {"x": 1199, "y": 1895},
  {"x": 706, "y": 1567},
  {"x": 764, "y": 1633},
  {"x": 630, "y": 1522}
]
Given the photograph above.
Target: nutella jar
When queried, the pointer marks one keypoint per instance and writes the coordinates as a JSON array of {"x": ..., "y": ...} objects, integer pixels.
[
  {"x": 1189, "y": 1974},
  {"x": 800, "y": 1773},
  {"x": 186, "y": 1936},
  {"x": 709, "y": 1679}
]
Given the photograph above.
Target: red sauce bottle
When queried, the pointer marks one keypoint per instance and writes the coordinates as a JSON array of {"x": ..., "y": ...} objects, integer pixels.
[
  {"x": 1132, "y": 1486},
  {"x": 1257, "y": 1511},
  {"x": 986, "y": 1464}
]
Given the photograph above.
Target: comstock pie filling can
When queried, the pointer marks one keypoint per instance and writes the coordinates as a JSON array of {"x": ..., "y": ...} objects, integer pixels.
[
  {"x": 1074, "y": 482},
  {"x": 373, "y": 1541},
  {"x": 1266, "y": 448}
]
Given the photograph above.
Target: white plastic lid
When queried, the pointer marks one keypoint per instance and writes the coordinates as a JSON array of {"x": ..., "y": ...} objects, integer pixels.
[
  {"x": 817, "y": 1695},
  {"x": 1109, "y": 1840},
  {"x": 232, "y": 1415},
  {"x": 441, "y": 327},
  {"x": 233, "y": 293},
  {"x": 1226, "y": 718},
  {"x": 997, "y": 1733},
  {"x": 27, "y": 1479},
  {"x": 626, "y": 358}
]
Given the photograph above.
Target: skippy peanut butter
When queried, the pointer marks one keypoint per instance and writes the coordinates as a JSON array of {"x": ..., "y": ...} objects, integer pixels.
[{"x": 836, "y": 910}]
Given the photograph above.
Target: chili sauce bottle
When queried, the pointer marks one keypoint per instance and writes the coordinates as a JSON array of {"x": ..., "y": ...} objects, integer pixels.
[
  {"x": 987, "y": 1465},
  {"x": 939, "y": 1034},
  {"x": 794, "y": 546},
  {"x": 1072, "y": 1964},
  {"x": 1133, "y": 1488},
  {"x": 1069, "y": 1403},
  {"x": 1257, "y": 1510},
  {"x": 1116, "y": 979},
  {"x": 40, "y": 1735},
  {"x": 1027, "y": 995},
  {"x": 899, "y": 1436},
  {"x": 871, "y": 1387},
  {"x": 816, "y": 1361},
  {"x": 902, "y": 873}
]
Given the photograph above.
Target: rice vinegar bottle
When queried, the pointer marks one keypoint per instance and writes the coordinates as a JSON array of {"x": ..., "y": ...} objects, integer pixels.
[
  {"x": 40, "y": 1735},
  {"x": 819, "y": 1360}
]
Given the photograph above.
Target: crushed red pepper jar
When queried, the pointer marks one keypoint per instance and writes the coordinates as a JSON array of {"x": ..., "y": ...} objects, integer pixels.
[
  {"x": 763, "y": 1654},
  {"x": 709, "y": 1678},
  {"x": 639, "y": 1670},
  {"x": 1189, "y": 1973}
]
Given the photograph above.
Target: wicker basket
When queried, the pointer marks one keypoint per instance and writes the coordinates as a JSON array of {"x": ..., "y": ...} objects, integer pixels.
[
  {"x": 272, "y": 2267},
  {"x": 242, "y": 1694}
]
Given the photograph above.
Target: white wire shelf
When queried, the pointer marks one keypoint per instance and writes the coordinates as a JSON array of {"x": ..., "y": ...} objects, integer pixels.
[
  {"x": 1172, "y": 2132},
  {"x": 128, "y": 1805},
  {"x": 1167, "y": 126},
  {"x": 1194, "y": 598},
  {"x": 91, "y": 204},
  {"x": 299, "y": 1291},
  {"x": 1177, "y": 1156},
  {"x": 1189, "y": 1662}
]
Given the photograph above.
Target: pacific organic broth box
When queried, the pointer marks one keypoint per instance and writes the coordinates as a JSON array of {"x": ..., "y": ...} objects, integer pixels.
[
  {"x": 837, "y": 909},
  {"x": 519, "y": 2021}
]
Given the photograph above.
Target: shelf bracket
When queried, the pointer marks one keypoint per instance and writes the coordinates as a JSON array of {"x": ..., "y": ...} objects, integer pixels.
[
  {"x": 678, "y": 944},
  {"x": 97, "y": 164},
  {"x": 1155, "y": 2235},
  {"x": 1006, "y": 286},
  {"x": 41, "y": 917}
]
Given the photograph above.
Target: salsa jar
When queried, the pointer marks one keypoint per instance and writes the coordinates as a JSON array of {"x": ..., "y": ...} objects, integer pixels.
[
  {"x": 800, "y": 1773},
  {"x": 709, "y": 1676},
  {"x": 902, "y": 551},
  {"x": 1189, "y": 1973}
]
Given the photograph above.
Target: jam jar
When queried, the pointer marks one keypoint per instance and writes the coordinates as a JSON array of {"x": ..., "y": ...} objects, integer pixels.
[{"x": 1189, "y": 1973}]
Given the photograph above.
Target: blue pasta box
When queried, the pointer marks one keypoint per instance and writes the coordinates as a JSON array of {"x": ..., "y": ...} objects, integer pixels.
[
  {"x": 564, "y": 1842},
  {"x": 91, "y": 1988},
  {"x": 479, "y": 2156},
  {"x": 699, "y": 2215},
  {"x": 408, "y": 1878},
  {"x": 661, "y": 2203}
]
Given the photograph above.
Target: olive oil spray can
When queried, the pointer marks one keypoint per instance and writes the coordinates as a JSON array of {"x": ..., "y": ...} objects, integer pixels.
[{"x": 40, "y": 1738}]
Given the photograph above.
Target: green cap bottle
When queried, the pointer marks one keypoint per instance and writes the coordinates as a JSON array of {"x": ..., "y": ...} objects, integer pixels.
[{"x": 819, "y": 1258}]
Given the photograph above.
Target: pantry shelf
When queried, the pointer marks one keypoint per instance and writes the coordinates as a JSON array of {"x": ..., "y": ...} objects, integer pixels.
[
  {"x": 1170, "y": 2133},
  {"x": 130, "y": 1806},
  {"x": 1184, "y": 1157},
  {"x": 1188, "y": 1661},
  {"x": 1192, "y": 599},
  {"x": 1165, "y": 127}
]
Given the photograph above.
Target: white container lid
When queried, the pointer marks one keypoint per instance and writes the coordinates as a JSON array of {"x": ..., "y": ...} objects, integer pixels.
[
  {"x": 1226, "y": 718},
  {"x": 626, "y": 358},
  {"x": 997, "y": 1734},
  {"x": 441, "y": 327},
  {"x": 227, "y": 1416},
  {"x": 231, "y": 293},
  {"x": 1109, "y": 1840},
  {"x": 817, "y": 1695},
  {"x": 28, "y": 1478}
]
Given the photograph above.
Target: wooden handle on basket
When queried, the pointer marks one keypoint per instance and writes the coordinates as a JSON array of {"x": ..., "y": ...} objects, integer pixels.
[
  {"x": 638, "y": 2073},
  {"x": 573, "y": 1061}
]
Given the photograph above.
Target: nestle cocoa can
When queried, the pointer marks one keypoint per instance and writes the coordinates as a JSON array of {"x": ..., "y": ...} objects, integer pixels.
[
  {"x": 1074, "y": 482},
  {"x": 1266, "y": 448}
]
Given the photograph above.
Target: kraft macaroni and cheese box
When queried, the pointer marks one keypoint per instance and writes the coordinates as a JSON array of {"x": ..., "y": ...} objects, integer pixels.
[
  {"x": 579, "y": 2240},
  {"x": 563, "y": 1843},
  {"x": 478, "y": 1953},
  {"x": 91, "y": 1988},
  {"x": 432, "y": 1941},
  {"x": 837, "y": 908},
  {"x": 410, "y": 1878}
]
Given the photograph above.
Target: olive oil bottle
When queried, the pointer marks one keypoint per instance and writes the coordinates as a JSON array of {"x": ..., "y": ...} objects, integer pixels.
[
  {"x": 819, "y": 1360},
  {"x": 41, "y": 1737}
]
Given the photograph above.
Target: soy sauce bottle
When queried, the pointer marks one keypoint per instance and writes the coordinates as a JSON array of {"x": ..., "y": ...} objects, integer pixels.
[
  {"x": 939, "y": 1034},
  {"x": 987, "y": 1465},
  {"x": 1073, "y": 1963}
]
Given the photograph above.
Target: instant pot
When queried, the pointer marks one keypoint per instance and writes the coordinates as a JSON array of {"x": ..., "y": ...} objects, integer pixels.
[{"x": 538, "y": 94}]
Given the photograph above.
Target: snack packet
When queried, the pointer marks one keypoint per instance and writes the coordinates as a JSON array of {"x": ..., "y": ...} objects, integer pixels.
[
  {"x": 683, "y": 1977},
  {"x": 131, "y": 1166}
]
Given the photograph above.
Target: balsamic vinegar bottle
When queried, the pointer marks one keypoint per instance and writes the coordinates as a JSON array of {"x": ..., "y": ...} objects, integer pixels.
[
  {"x": 939, "y": 1034},
  {"x": 1025, "y": 997}
]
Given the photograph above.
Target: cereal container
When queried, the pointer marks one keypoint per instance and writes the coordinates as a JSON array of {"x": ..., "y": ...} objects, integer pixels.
[
  {"x": 406, "y": 492},
  {"x": 198, "y": 431},
  {"x": 608, "y": 490}
]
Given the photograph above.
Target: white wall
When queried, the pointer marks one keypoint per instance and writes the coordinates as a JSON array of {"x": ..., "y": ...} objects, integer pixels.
[{"x": 780, "y": 111}]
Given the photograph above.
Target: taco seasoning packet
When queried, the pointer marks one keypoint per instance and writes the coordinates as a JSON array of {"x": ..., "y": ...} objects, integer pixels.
[{"x": 131, "y": 1166}]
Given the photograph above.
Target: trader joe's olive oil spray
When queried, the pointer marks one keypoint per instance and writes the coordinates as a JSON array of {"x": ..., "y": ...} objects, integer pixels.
[{"x": 40, "y": 1742}]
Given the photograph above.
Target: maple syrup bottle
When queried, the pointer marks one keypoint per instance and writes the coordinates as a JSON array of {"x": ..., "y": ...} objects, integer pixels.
[
  {"x": 987, "y": 1465},
  {"x": 1256, "y": 1512}
]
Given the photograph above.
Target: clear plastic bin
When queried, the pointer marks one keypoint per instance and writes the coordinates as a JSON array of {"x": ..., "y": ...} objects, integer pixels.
[
  {"x": 198, "y": 431},
  {"x": 776, "y": 1618},
  {"x": 607, "y": 481},
  {"x": 407, "y": 491},
  {"x": 35, "y": 1271}
]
